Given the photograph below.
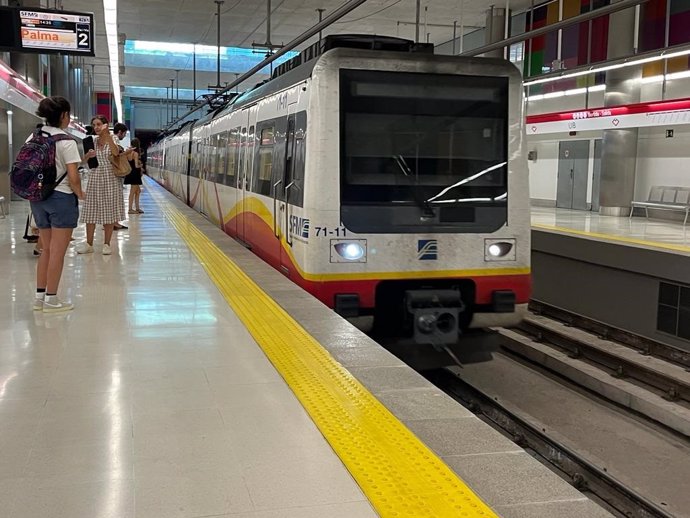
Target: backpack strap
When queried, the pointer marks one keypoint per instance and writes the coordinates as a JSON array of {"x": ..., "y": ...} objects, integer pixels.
[{"x": 56, "y": 138}]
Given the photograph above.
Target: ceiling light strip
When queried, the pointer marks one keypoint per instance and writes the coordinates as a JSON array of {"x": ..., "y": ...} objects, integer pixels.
[
  {"x": 110, "y": 12},
  {"x": 604, "y": 68}
]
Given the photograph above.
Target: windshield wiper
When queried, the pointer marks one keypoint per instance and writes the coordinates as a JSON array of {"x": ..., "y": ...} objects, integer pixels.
[{"x": 427, "y": 210}]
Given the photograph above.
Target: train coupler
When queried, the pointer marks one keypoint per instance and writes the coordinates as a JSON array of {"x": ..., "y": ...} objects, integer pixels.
[{"x": 435, "y": 314}]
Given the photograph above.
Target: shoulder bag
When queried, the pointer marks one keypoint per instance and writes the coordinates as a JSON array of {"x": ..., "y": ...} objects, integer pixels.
[{"x": 120, "y": 165}]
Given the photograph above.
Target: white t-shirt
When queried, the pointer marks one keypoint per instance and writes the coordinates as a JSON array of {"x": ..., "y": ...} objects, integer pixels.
[{"x": 66, "y": 152}]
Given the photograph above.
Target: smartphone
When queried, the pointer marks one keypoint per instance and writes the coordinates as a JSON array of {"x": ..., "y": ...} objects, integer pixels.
[{"x": 89, "y": 145}]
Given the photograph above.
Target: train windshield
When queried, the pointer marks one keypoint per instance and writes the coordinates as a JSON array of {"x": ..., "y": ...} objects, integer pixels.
[{"x": 422, "y": 152}]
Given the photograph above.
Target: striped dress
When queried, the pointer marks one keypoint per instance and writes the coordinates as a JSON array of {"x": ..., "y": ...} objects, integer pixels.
[{"x": 105, "y": 202}]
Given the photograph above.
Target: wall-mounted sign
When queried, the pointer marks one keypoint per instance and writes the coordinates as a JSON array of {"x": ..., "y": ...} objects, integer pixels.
[
  {"x": 46, "y": 31},
  {"x": 659, "y": 113}
]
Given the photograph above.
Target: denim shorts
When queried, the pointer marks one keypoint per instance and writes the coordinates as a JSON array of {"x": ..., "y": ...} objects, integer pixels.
[{"x": 61, "y": 210}]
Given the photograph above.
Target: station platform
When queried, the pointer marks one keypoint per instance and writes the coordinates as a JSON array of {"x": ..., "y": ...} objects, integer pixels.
[
  {"x": 629, "y": 273},
  {"x": 192, "y": 380},
  {"x": 637, "y": 231}
]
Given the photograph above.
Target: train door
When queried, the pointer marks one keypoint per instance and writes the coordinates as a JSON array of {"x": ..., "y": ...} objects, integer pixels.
[
  {"x": 573, "y": 164},
  {"x": 203, "y": 176},
  {"x": 287, "y": 184},
  {"x": 187, "y": 151},
  {"x": 244, "y": 176}
]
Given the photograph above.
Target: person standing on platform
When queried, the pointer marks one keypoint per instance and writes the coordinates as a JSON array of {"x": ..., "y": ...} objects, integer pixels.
[
  {"x": 133, "y": 179},
  {"x": 57, "y": 215},
  {"x": 120, "y": 131},
  {"x": 104, "y": 203}
]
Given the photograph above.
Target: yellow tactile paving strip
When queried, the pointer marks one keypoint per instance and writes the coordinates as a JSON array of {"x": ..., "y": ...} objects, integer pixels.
[
  {"x": 400, "y": 475},
  {"x": 611, "y": 237}
]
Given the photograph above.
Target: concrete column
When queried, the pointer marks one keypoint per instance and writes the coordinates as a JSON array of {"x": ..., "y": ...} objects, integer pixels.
[
  {"x": 59, "y": 83},
  {"x": 619, "y": 149},
  {"x": 495, "y": 30}
]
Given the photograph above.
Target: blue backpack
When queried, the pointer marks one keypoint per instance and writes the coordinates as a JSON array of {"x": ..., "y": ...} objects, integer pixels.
[{"x": 33, "y": 175}]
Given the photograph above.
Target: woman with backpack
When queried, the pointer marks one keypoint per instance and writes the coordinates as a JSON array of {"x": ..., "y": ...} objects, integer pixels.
[
  {"x": 105, "y": 204},
  {"x": 57, "y": 215}
]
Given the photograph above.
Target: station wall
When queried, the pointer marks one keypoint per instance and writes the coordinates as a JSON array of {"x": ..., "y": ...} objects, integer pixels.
[{"x": 661, "y": 160}]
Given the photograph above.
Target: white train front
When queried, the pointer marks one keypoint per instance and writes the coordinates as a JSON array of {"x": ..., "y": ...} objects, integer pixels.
[{"x": 385, "y": 183}]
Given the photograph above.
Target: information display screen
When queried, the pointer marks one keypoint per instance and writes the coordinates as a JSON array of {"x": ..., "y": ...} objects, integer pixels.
[
  {"x": 48, "y": 31},
  {"x": 56, "y": 30}
]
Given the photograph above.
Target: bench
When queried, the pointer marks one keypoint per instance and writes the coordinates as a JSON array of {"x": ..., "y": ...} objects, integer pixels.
[{"x": 665, "y": 198}]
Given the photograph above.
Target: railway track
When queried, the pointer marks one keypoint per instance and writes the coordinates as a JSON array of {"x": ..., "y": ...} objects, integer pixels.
[
  {"x": 585, "y": 475},
  {"x": 626, "y": 375},
  {"x": 642, "y": 345},
  {"x": 607, "y": 410}
]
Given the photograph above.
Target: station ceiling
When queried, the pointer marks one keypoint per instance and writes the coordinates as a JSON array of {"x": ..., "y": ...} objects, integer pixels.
[{"x": 243, "y": 22}]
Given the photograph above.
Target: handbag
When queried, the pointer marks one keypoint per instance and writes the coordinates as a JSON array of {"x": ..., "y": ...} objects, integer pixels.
[{"x": 120, "y": 165}]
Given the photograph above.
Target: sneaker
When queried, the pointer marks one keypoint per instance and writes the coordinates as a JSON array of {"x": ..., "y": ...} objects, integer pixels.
[
  {"x": 120, "y": 227},
  {"x": 84, "y": 248},
  {"x": 140, "y": 211},
  {"x": 132, "y": 211},
  {"x": 107, "y": 250},
  {"x": 38, "y": 304},
  {"x": 57, "y": 306}
]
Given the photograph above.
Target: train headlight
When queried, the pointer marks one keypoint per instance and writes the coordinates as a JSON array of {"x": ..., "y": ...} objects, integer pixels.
[
  {"x": 351, "y": 251},
  {"x": 499, "y": 250}
]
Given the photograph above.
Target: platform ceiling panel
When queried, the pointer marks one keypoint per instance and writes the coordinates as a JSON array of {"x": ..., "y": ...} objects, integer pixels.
[{"x": 244, "y": 22}]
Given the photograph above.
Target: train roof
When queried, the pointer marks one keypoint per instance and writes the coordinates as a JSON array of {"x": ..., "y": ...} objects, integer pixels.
[{"x": 300, "y": 68}]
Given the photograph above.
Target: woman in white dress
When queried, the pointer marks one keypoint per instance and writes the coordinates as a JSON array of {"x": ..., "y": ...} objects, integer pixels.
[{"x": 104, "y": 204}]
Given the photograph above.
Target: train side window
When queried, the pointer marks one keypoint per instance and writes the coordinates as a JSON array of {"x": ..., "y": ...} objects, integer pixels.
[
  {"x": 221, "y": 156},
  {"x": 264, "y": 166},
  {"x": 207, "y": 157},
  {"x": 233, "y": 142},
  {"x": 196, "y": 158}
]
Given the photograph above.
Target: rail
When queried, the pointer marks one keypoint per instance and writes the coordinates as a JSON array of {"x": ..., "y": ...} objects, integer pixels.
[{"x": 644, "y": 346}]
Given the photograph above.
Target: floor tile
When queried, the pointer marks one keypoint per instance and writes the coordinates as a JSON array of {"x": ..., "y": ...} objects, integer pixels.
[
  {"x": 80, "y": 463},
  {"x": 189, "y": 421},
  {"x": 302, "y": 483},
  {"x": 563, "y": 509},
  {"x": 345, "y": 510},
  {"x": 105, "y": 499},
  {"x": 511, "y": 478},
  {"x": 198, "y": 493}
]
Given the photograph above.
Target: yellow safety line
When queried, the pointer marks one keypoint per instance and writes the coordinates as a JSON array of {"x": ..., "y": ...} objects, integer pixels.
[
  {"x": 609, "y": 237},
  {"x": 399, "y": 474}
]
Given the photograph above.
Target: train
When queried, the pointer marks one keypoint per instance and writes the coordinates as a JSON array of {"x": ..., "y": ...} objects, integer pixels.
[{"x": 385, "y": 180}]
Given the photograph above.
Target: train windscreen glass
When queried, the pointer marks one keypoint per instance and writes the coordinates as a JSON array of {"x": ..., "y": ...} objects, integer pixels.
[{"x": 423, "y": 152}]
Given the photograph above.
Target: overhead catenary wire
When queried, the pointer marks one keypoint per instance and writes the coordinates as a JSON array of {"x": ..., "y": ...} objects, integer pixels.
[
  {"x": 368, "y": 15},
  {"x": 331, "y": 18}
]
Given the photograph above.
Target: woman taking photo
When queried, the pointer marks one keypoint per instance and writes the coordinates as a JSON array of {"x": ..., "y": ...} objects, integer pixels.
[
  {"x": 57, "y": 215},
  {"x": 105, "y": 204}
]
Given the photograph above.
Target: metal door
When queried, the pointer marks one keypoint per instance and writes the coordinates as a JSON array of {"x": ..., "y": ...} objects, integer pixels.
[
  {"x": 573, "y": 160},
  {"x": 596, "y": 177}
]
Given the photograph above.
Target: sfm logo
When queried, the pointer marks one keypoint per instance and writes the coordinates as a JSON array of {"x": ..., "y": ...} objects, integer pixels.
[
  {"x": 427, "y": 249},
  {"x": 299, "y": 227}
]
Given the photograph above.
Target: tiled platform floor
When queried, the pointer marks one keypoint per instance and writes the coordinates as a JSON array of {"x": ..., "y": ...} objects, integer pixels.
[{"x": 150, "y": 399}]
